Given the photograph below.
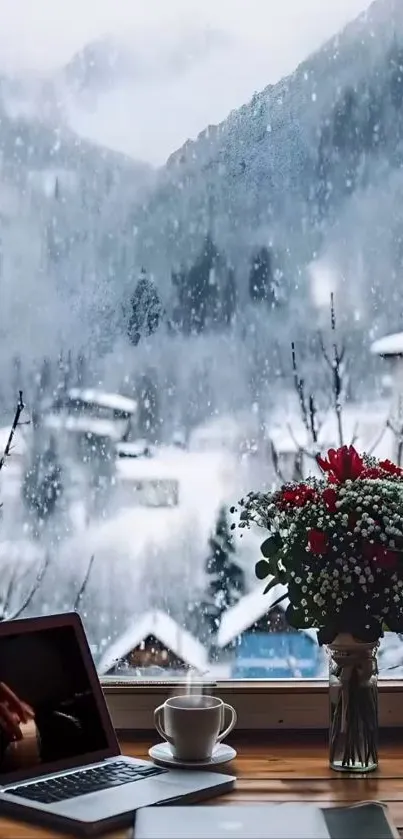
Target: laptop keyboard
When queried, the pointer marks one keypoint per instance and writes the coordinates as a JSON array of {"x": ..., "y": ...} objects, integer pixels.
[{"x": 85, "y": 781}]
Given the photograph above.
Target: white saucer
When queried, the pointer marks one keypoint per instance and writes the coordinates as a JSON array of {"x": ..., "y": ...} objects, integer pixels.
[{"x": 162, "y": 753}]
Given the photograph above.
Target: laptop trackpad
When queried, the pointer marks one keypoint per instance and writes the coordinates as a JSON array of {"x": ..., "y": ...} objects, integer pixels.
[{"x": 124, "y": 799}]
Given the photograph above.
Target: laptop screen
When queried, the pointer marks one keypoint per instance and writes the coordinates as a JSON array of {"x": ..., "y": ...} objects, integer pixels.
[{"x": 49, "y": 713}]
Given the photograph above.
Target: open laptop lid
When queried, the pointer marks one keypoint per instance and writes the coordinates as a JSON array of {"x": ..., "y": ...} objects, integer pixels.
[{"x": 47, "y": 663}]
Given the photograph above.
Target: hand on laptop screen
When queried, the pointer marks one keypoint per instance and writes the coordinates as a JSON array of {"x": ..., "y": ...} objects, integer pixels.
[{"x": 13, "y": 712}]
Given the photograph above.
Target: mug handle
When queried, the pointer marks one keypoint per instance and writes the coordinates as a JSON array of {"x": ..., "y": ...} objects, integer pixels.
[
  {"x": 230, "y": 726},
  {"x": 158, "y": 717}
]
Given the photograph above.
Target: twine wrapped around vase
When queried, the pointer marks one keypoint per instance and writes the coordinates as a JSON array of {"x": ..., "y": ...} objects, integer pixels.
[{"x": 353, "y": 693}]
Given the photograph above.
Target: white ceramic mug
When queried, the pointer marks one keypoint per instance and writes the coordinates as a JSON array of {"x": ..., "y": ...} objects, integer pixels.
[{"x": 193, "y": 724}]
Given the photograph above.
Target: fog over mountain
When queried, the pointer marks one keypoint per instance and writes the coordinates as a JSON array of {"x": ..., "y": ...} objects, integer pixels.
[{"x": 302, "y": 168}]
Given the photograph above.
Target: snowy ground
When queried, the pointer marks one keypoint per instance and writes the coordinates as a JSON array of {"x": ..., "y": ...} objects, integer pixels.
[{"x": 147, "y": 557}]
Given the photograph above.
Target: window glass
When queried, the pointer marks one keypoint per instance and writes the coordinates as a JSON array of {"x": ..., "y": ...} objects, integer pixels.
[{"x": 187, "y": 190}]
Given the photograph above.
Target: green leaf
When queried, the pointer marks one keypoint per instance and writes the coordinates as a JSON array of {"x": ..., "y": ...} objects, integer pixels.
[
  {"x": 270, "y": 585},
  {"x": 271, "y": 546},
  {"x": 262, "y": 569}
]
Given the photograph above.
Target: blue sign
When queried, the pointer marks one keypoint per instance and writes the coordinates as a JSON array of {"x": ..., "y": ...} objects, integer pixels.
[{"x": 275, "y": 655}]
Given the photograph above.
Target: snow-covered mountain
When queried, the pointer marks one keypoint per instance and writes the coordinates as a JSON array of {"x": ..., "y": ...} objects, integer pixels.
[
  {"x": 141, "y": 92},
  {"x": 304, "y": 165},
  {"x": 311, "y": 166}
]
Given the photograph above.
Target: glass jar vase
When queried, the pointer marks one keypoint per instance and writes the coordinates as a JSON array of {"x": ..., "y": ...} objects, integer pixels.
[{"x": 353, "y": 694}]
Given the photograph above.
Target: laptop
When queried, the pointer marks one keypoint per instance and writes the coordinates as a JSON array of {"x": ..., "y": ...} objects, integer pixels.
[
  {"x": 66, "y": 769},
  {"x": 369, "y": 820}
]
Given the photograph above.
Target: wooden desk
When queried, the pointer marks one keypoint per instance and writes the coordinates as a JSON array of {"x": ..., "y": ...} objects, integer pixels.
[{"x": 282, "y": 767}]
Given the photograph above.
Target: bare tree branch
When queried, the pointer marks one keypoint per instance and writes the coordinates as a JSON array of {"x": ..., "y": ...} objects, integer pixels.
[
  {"x": 7, "y": 599},
  {"x": 299, "y": 385},
  {"x": 275, "y": 461},
  {"x": 324, "y": 351},
  {"x": 337, "y": 374},
  {"x": 380, "y": 436},
  {"x": 313, "y": 420},
  {"x": 84, "y": 584},
  {"x": 298, "y": 447},
  {"x": 355, "y": 434},
  {"x": 36, "y": 585},
  {"x": 19, "y": 409}
]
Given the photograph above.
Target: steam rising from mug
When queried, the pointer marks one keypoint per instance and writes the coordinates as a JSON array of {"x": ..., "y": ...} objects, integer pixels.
[{"x": 194, "y": 684}]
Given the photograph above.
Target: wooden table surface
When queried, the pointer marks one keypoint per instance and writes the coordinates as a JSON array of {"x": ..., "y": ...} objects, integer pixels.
[{"x": 276, "y": 766}]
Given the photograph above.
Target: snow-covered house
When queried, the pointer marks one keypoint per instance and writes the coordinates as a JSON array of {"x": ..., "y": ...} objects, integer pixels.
[
  {"x": 111, "y": 405},
  {"x": 92, "y": 412},
  {"x": 83, "y": 425},
  {"x": 264, "y": 646},
  {"x": 147, "y": 481},
  {"x": 153, "y": 643}
]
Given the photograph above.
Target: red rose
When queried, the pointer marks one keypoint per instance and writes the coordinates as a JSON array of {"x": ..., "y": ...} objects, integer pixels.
[
  {"x": 342, "y": 464},
  {"x": 330, "y": 497},
  {"x": 297, "y": 496},
  {"x": 318, "y": 542}
]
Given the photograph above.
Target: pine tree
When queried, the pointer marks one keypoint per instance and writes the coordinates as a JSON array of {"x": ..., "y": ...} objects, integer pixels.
[
  {"x": 42, "y": 485},
  {"x": 81, "y": 370},
  {"x": 262, "y": 282},
  {"x": 229, "y": 297},
  {"x": 226, "y": 579},
  {"x": 145, "y": 310},
  {"x": 200, "y": 291},
  {"x": 148, "y": 406}
]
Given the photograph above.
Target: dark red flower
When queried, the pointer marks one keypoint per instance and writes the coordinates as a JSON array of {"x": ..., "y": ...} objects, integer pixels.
[
  {"x": 318, "y": 542},
  {"x": 390, "y": 468},
  {"x": 330, "y": 497},
  {"x": 353, "y": 520},
  {"x": 342, "y": 464},
  {"x": 383, "y": 557},
  {"x": 372, "y": 472},
  {"x": 383, "y": 468},
  {"x": 297, "y": 496}
]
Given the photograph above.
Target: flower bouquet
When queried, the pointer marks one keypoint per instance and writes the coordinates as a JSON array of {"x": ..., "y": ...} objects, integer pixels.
[{"x": 336, "y": 544}]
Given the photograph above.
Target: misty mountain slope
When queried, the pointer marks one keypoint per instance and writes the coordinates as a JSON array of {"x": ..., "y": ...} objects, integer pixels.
[
  {"x": 64, "y": 207},
  {"x": 124, "y": 90},
  {"x": 258, "y": 173}
]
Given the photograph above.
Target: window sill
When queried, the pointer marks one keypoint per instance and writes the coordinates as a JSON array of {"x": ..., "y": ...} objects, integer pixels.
[{"x": 260, "y": 705}]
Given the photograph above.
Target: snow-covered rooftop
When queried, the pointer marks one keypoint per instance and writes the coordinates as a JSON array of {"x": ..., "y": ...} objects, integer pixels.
[
  {"x": 169, "y": 463},
  {"x": 248, "y": 611},
  {"x": 134, "y": 449},
  {"x": 84, "y": 425},
  {"x": 114, "y": 401},
  {"x": 163, "y": 627},
  {"x": 390, "y": 345}
]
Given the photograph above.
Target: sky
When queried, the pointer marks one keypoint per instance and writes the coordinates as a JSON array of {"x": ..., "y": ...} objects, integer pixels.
[{"x": 265, "y": 40}]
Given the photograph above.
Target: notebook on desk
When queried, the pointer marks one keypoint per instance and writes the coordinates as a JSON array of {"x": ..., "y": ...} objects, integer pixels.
[{"x": 265, "y": 821}]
